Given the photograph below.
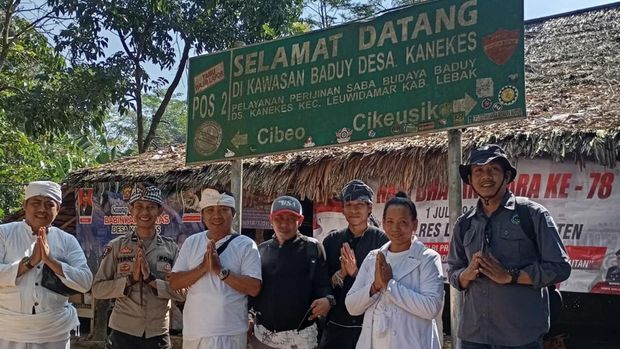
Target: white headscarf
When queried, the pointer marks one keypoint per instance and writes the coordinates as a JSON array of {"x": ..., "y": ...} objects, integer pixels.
[
  {"x": 211, "y": 197},
  {"x": 44, "y": 188}
]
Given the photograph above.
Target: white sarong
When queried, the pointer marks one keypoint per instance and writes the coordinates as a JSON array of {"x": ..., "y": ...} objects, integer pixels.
[{"x": 47, "y": 327}]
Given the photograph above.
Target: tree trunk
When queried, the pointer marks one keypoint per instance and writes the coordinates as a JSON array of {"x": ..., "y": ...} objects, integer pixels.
[
  {"x": 139, "y": 116},
  {"x": 169, "y": 92}
]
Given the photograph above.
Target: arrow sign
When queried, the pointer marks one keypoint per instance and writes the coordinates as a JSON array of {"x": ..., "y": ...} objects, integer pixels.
[
  {"x": 464, "y": 105},
  {"x": 239, "y": 139}
]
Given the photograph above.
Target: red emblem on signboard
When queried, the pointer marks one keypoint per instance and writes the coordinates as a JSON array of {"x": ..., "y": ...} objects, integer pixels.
[{"x": 501, "y": 45}]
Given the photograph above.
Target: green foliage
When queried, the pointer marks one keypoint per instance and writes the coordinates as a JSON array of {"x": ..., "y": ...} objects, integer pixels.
[
  {"x": 120, "y": 131},
  {"x": 41, "y": 96},
  {"x": 23, "y": 160},
  {"x": 326, "y": 13},
  {"x": 43, "y": 103},
  {"x": 161, "y": 33}
]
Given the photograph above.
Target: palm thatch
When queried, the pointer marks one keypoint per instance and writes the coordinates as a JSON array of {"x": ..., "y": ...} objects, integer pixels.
[{"x": 573, "y": 115}]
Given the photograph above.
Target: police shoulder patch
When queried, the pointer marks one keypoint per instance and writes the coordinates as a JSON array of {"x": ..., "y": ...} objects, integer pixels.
[{"x": 106, "y": 251}]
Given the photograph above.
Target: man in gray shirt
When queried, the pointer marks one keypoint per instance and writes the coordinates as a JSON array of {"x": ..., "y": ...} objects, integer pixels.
[{"x": 503, "y": 271}]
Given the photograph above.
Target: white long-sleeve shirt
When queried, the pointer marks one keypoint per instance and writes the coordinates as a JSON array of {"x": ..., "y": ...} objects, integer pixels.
[{"x": 24, "y": 294}]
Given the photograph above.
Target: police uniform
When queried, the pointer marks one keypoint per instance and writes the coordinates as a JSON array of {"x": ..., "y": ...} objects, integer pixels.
[{"x": 141, "y": 316}]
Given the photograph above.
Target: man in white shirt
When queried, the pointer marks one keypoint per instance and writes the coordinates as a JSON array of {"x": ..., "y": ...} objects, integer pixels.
[
  {"x": 32, "y": 316},
  {"x": 220, "y": 268}
]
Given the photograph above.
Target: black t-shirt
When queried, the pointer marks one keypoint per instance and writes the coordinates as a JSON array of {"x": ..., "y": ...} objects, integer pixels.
[{"x": 372, "y": 239}]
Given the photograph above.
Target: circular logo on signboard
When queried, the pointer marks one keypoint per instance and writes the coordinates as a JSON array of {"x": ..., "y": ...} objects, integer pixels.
[
  {"x": 487, "y": 103},
  {"x": 508, "y": 95},
  {"x": 207, "y": 138}
]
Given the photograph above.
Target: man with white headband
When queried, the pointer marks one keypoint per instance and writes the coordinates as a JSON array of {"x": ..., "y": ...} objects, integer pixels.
[
  {"x": 133, "y": 271},
  {"x": 31, "y": 315},
  {"x": 220, "y": 268}
]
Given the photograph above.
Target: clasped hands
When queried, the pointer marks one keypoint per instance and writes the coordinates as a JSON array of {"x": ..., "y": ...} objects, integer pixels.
[
  {"x": 383, "y": 274},
  {"x": 211, "y": 260},
  {"x": 488, "y": 266},
  {"x": 348, "y": 262},
  {"x": 141, "y": 270},
  {"x": 41, "y": 251}
]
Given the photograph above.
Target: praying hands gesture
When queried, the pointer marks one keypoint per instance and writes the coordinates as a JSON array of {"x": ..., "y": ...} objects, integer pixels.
[
  {"x": 348, "y": 262},
  {"x": 211, "y": 260},
  {"x": 141, "y": 269},
  {"x": 383, "y": 274},
  {"x": 41, "y": 252}
]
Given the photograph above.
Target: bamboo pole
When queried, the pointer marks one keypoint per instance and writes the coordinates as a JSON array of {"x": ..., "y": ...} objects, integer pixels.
[{"x": 455, "y": 209}]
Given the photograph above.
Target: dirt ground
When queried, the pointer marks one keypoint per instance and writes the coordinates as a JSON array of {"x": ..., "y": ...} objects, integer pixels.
[{"x": 579, "y": 342}]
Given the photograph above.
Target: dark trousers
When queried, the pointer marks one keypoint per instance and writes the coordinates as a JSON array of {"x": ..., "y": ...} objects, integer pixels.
[
  {"x": 120, "y": 340},
  {"x": 470, "y": 345},
  {"x": 338, "y": 337}
]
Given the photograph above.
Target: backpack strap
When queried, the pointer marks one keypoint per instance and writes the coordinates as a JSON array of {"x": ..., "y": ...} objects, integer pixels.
[
  {"x": 465, "y": 223},
  {"x": 525, "y": 220},
  {"x": 223, "y": 246}
]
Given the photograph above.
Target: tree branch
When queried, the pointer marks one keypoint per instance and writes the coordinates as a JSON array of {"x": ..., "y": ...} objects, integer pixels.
[
  {"x": 33, "y": 24},
  {"x": 169, "y": 92},
  {"x": 121, "y": 37},
  {"x": 6, "y": 44}
]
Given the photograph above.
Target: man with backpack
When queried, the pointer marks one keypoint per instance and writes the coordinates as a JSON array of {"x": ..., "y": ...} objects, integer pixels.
[
  {"x": 295, "y": 290},
  {"x": 503, "y": 255}
]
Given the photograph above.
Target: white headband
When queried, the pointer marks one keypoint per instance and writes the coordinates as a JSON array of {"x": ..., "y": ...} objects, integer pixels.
[
  {"x": 44, "y": 188},
  {"x": 211, "y": 197}
]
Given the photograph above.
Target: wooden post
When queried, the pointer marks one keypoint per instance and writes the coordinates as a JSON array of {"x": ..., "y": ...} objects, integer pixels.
[
  {"x": 236, "y": 178},
  {"x": 236, "y": 186},
  {"x": 455, "y": 205}
]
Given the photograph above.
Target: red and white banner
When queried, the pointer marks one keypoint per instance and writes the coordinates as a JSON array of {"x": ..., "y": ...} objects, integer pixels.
[{"x": 584, "y": 202}]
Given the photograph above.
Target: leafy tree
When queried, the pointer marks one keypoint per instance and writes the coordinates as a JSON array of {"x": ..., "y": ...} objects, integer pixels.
[
  {"x": 119, "y": 136},
  {"x": 326, "y": 13},
  {"x": 321, "y": 14},
  {"x": 39, "y": 94},
  {"x": 14, "y": 27},
  {"x": 23, "y": 160},
  {"x": 162, "y": 33}
]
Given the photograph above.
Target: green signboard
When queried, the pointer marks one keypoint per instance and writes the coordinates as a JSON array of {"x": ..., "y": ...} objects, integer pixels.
[{"x": 428, "y": 67}]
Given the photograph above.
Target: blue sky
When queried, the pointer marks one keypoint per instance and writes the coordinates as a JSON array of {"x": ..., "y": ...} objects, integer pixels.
[
  {"x": 533, "y": 9},
  {"x": 543, "y": 8}
]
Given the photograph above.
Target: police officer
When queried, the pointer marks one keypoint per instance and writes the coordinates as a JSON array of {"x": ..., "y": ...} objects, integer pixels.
[{"x": 134, "y": 271}]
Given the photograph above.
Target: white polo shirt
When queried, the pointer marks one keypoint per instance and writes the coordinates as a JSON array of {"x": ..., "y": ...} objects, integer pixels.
[{"x": 213, "y": 308}]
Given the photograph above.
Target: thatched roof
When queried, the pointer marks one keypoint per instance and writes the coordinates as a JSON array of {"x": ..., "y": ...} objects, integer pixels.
[{"x": 573, "y": 103}]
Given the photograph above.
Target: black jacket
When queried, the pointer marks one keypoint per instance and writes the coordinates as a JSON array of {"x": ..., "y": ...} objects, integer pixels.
[
  {"x": 294, "y": 275},
  {"x": 372, "y": 239}
]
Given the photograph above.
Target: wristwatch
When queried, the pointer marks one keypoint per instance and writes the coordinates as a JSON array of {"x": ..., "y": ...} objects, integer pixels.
[
  {"x": 27, "y": 264},
  {"x": 514, "y": 274},
  {"x": 223, "y": 274},
  {"x": 331, "y": 299}
]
